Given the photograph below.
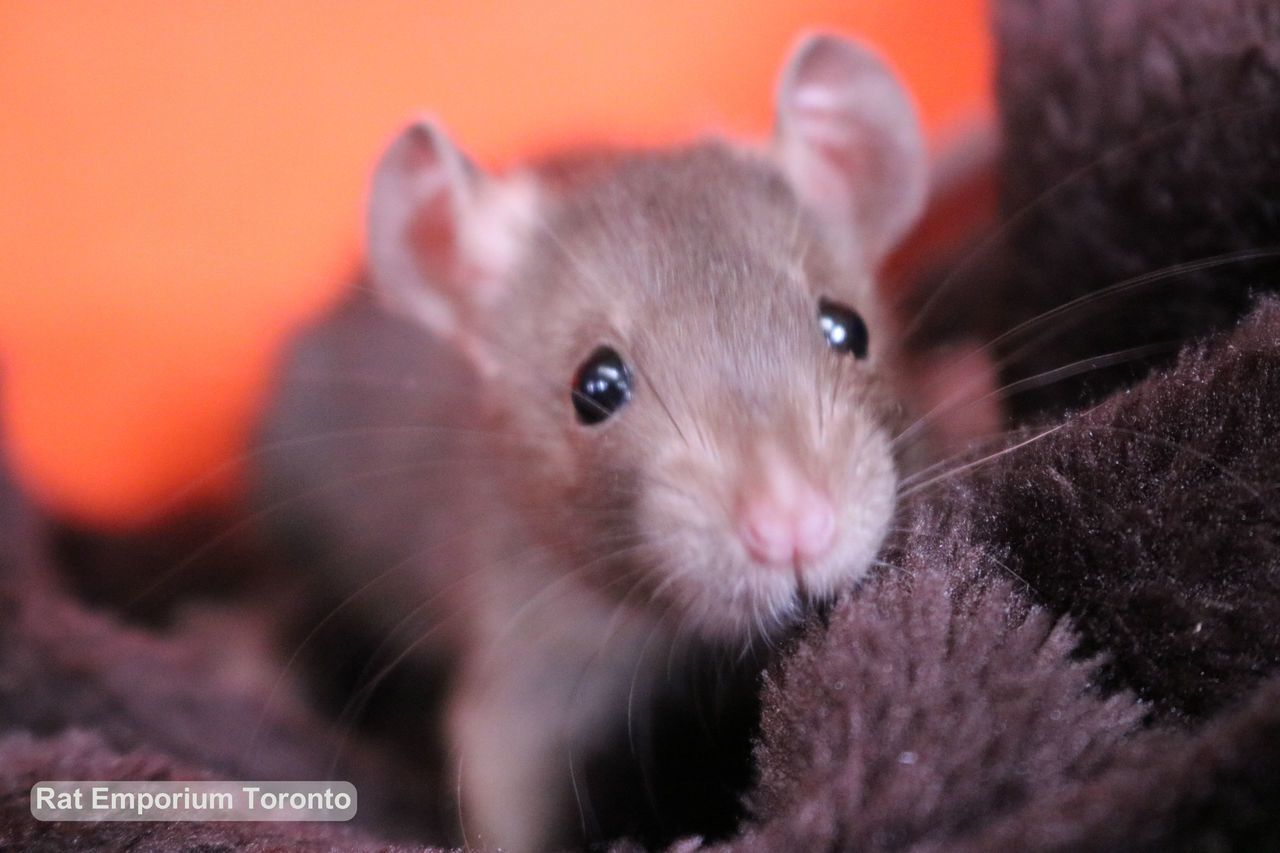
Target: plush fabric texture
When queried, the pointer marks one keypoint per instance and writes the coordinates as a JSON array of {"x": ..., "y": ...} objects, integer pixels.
[
  {"x": 1140, "y": 163},
  {"x": 85, "y": 695},
  {"x": 1076, "y": 644}
]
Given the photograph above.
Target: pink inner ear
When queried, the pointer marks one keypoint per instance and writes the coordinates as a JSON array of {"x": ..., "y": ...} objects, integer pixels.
[
  {"x": 414, "y": 226},
  {"x": 432, "y": 230},
  {"x": 433, "y": 237},
  {"x": 837, "y": 161}
]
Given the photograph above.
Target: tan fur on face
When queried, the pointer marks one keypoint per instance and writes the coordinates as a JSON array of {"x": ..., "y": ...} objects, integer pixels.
[{"x": 709, "y": 289}]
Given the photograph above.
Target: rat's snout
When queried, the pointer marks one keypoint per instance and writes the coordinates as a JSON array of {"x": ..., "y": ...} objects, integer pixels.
[{"x": 783, "y": 518}]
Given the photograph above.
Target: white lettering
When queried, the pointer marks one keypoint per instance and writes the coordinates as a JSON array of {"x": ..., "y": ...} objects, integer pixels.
[{"x": 172, "y": 801}]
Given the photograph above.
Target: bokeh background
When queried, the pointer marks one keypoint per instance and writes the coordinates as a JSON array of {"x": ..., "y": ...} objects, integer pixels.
[{"x": 182, "y": 183}]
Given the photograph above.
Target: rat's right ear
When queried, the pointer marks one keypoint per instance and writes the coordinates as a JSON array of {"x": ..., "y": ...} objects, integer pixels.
[{"x": 442, "y": 236}]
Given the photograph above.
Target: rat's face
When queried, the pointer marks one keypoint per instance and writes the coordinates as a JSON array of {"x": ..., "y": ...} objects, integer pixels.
[
  {"x": 684, "y": 353},
  {"x": 698, "y": 387}
]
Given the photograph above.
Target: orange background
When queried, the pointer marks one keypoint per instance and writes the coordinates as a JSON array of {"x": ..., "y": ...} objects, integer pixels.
[{"x": 180, "y": 183}]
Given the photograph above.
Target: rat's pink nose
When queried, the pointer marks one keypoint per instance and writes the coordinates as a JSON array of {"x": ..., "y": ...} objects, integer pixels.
[{"x": 786, "y": 526}]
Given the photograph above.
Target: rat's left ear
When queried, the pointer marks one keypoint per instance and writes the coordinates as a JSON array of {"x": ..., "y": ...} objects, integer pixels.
[{"x": 847, "y": 136}]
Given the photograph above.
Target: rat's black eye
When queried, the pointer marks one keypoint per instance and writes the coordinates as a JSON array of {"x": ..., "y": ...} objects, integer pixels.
[
  {"x": 843, "y": 328},
  {"x": 601, "y": 386}
]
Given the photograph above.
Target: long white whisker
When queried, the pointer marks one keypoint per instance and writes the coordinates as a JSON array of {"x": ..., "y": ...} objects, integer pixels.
[
  {"x": 911, "y": 490},
  {"x": 1076, "y": 368}
]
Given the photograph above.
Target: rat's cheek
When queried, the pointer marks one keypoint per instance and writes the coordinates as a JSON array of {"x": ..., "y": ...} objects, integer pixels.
[{"x": 865, "y": 508}]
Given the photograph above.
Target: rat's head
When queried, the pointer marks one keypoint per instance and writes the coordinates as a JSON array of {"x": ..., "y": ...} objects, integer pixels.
[{"x": 688, "y": 362}]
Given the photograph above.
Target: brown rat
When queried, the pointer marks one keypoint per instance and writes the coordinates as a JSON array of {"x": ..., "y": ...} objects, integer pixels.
[{"x": 659, "y": 396}]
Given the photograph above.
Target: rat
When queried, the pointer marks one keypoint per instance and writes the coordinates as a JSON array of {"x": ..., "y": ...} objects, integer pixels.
[{"x": 655, "y": 414}]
